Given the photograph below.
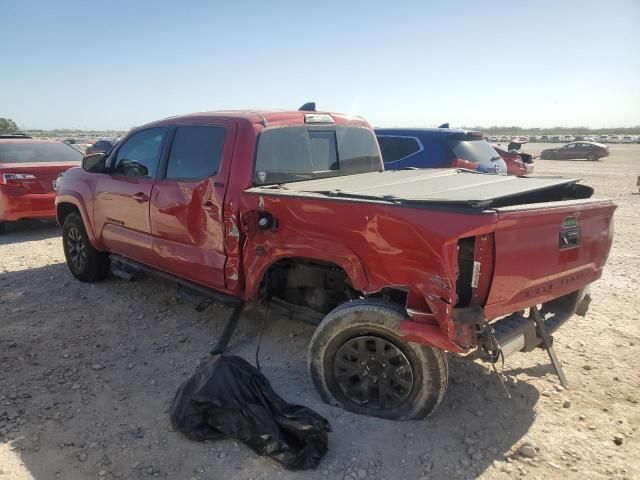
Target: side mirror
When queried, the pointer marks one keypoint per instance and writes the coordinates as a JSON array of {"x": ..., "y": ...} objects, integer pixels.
[{"x": 94, "y": 163}]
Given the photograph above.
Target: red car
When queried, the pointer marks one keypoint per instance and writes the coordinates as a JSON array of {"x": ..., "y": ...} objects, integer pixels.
[
  {"x": 28, "y": 169},
  {"x": 294, "y": 209},
  {"x": 515, "y": 163}
]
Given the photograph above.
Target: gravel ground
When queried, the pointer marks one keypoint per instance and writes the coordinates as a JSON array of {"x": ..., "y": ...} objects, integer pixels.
[{"x": 87, "y": 373}]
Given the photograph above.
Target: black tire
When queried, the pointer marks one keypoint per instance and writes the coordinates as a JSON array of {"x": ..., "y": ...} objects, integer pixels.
[
  {"x": 3, "y": 227},
  {"x": 85, "y": 262},
  {"x": 592, "y": 157},
  {"x": 412, "y": 377}
]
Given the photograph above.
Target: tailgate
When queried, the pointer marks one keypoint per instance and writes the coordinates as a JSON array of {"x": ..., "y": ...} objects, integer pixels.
[{"x": 544, "y": 251}]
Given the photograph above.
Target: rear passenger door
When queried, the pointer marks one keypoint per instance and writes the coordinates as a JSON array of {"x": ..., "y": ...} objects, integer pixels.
[
  {"x": 187, "y": 201},
  {"x": 581, "y": 150}
]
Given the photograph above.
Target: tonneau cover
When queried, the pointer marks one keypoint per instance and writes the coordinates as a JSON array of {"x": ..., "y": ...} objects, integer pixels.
[{"x": 440, "y": 186}]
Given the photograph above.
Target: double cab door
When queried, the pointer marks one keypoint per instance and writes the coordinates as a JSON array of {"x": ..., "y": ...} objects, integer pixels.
[{"x": 163, "y": 202}]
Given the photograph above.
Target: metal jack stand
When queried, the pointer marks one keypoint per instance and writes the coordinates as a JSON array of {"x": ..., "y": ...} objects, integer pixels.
[
  {"x": 547, "y": 342},
  {"x": 229, "y": 328}
]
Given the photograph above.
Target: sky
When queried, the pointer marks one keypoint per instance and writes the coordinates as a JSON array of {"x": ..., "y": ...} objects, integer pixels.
[{"x": 117, "y": 64}]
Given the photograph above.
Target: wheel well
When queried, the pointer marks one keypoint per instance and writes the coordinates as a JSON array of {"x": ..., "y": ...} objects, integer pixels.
[
  {"x": 318, "y": 285},
  {"x": 63, "y": 210},
  {"x": 310, "y": 283}
]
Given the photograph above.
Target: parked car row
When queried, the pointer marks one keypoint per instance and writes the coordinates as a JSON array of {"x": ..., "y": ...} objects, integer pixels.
[{"x": 567, "y": 138}]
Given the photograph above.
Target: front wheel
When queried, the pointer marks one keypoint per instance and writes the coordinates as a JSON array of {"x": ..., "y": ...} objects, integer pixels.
[
  {"x": 85, "y": 262},
  {"x": 358, "y": 362}
]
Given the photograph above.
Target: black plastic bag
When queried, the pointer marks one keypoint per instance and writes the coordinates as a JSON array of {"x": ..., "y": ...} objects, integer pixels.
[{"x": 227, "y": 397}]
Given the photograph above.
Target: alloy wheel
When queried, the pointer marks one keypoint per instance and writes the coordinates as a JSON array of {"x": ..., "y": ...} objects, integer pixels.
[
  {"x": 77, "y": 249},
  {"x": 373, "y": 372}
]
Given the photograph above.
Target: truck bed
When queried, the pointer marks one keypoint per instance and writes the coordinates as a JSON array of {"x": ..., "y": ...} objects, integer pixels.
[{"x": 436, "y": 186}]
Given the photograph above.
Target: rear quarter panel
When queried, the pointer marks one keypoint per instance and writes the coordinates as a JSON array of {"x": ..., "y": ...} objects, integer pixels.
[{"x": 378, "y": 245}]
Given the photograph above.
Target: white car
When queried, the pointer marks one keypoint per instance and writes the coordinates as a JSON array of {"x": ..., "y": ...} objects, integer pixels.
[{"x": 627, "y": 139}]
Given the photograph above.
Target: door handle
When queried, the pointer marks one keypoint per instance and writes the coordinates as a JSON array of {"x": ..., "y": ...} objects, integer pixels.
[
  {"x": 141, "y": 197},
  {"x": 210, "y": 206}
]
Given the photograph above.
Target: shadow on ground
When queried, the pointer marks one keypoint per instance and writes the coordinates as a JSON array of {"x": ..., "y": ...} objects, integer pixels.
[
  {"x": 29, "y": 230},
  {"x": 88, "y": 372}
]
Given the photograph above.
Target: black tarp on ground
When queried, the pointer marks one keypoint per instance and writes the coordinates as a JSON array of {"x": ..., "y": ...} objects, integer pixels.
[{"x": 227, "y": 397}]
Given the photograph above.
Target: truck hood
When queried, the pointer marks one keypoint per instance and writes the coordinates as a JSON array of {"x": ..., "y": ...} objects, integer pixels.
[{"x": 436, "y": 186}]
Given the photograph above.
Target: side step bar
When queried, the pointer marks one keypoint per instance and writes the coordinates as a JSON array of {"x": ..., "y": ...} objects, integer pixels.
[
  {"x": 190, "y": 292},
  {"x": 199, "y": 296}
]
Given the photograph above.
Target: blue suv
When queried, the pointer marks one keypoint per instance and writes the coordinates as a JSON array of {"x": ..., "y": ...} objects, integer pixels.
[{"x": 438, "y": 148}]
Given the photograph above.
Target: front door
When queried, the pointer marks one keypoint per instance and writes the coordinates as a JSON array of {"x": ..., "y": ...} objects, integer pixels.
[
  {"x": 567, "y": 151},
  {"x": 187, "y": 203},
  {"x": 121, "y": 209}
]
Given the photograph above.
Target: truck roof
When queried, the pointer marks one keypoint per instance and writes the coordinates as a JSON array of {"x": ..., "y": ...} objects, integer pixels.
[{"x": 264, "y": 117}]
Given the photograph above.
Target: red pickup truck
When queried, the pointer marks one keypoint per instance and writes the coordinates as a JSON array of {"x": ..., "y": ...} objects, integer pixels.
[{"x": 294, "y": 208}]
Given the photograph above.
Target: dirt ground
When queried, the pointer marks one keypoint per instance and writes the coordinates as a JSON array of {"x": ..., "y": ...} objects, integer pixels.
[{"x": 87, "y": 373}]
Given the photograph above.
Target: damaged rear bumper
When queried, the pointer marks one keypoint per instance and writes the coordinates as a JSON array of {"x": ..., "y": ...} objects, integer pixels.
[{"x": 518, "y": 332}]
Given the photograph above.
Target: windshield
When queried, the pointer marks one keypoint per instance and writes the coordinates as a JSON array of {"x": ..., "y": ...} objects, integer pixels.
[
  {"x": 478, "y": 151},
  {"x": 287, "y": 154},
  {"x": 26, "y": 152}
]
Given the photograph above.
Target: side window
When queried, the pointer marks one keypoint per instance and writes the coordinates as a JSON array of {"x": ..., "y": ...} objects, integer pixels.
[
  {"x": 571, "y": 145},
  {"x": 397, "y": 148},
  {"x": 139, "y": 155},
  {"x": 196, "y": 152}
]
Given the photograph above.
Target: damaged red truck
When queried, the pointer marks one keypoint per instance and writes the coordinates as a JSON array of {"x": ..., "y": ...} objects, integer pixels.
[{"x": 294, "y": 208}]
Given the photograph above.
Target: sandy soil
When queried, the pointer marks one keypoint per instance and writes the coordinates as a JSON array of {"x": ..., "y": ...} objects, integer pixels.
[{"x": 87, "y": 373}]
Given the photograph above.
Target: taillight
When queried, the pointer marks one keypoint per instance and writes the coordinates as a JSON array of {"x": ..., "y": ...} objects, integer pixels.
[
  {"x": 16, "y": 178},
  {"x": 462, "y": 163},
  {"x": 475, "y": 269}
]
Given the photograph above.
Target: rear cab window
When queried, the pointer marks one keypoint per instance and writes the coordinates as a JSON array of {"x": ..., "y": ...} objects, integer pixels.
[{"x": 288, "y": 154}]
